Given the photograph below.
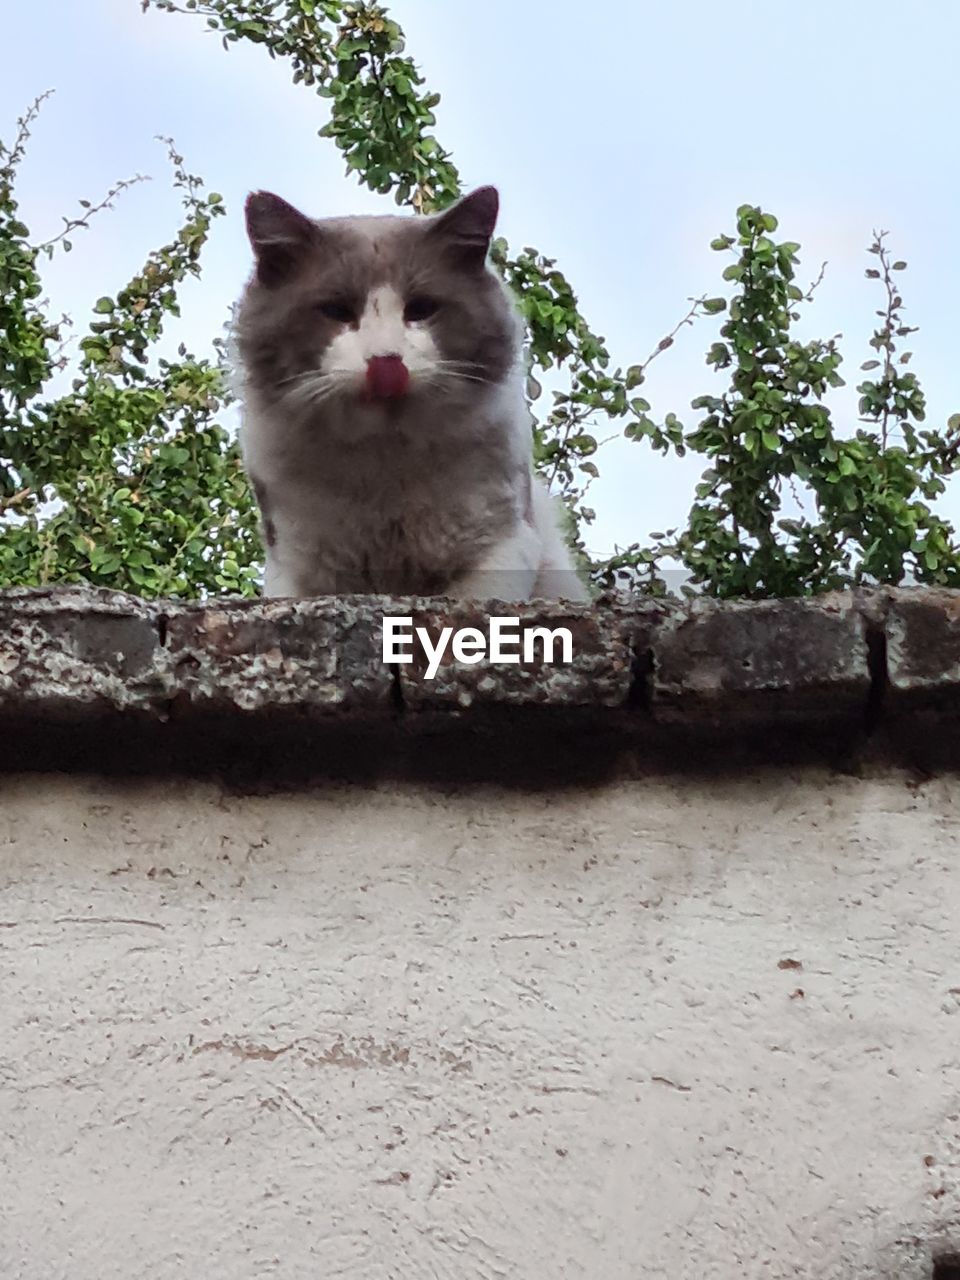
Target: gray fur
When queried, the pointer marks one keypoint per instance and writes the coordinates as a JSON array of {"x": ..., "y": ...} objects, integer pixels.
[{"x": 430, "y": 493}]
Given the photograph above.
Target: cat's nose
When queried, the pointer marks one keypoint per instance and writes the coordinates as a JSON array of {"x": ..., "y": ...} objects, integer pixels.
[{"x": 387, "y": 377}]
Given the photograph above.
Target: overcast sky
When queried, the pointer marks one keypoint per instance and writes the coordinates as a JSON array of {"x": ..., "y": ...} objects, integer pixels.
[{"x": 619, "y": 148}]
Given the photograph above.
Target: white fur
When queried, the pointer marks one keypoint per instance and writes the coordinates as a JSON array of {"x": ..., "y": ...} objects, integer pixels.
[{"x": 382, "y": 331}]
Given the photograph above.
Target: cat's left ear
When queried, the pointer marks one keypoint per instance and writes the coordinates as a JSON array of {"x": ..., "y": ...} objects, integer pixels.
[
  {"x": 467, "y": 227},
  {"x": 280, "y": 235}
]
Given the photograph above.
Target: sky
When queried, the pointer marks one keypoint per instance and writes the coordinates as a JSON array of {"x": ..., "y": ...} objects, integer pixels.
[{"x": 620, "y": 148}]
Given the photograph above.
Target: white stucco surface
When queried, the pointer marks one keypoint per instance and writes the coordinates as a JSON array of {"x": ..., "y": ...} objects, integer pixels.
[{"x": 665, "y": 1028}]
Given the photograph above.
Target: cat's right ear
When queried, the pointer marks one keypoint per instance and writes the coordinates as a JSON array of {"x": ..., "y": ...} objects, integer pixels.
[
  {"x": 280, "y": 235},
  {"x": 467, "y": 227}
]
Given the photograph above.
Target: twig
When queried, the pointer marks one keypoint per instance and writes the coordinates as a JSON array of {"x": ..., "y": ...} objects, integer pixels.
[
  {"x": 72, "y": 224},
  {"x": 58, "y": 357},
  {"x": 666, "y": 342},
  {"x": 16, "y": 153},
  {"x": 887, "y": 331},
  {"x": 15, "y": 500},
  {"x": 808, "y": 296}
]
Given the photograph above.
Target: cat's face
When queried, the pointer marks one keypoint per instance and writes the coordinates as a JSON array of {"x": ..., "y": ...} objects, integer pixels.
[{"x": 374, "y": 315}]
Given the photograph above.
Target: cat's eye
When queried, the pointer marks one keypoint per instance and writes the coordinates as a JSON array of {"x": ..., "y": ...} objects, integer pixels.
[
  {"x": 420, "y": 308},
  {"x": 339, "y": 312}
]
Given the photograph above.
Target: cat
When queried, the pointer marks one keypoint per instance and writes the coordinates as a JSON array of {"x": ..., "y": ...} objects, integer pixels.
[{"x": 385, "y": 429}]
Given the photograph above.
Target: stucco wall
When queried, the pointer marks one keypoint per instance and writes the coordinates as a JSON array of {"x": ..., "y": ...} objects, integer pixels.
[{"x": 660, "y": 1028}]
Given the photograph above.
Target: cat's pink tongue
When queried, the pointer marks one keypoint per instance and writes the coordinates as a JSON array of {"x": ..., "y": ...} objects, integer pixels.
[{"x": 387, "y": 377}]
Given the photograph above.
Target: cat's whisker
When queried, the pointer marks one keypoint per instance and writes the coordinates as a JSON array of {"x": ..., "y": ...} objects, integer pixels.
[
  {"x": 457, "y": 364},
  {"x": 304, "y": 394},
  {"x": 323, "y": 393},
  {"x": 319, "y": 395},
  {"x": 457, "y": 375},
  {"x": 315, "y": 375},
  {"x": 300, "y": 377},
  {"x": 464, "y": 374},
  {"x": 313, "y": 386},
  {"x": 305, "y": 385}
]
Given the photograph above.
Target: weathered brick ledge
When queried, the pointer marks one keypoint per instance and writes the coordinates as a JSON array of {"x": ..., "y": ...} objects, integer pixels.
[{"x": 100, "y": 680}]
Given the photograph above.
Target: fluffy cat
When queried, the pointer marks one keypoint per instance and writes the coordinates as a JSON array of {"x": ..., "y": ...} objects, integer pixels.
[{"x": 385, "y": 430}]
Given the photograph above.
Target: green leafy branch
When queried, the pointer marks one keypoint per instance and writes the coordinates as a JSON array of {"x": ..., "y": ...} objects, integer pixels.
[
  {"x": 770, "y": 438},
  {"x": 127, "y": 480}
]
